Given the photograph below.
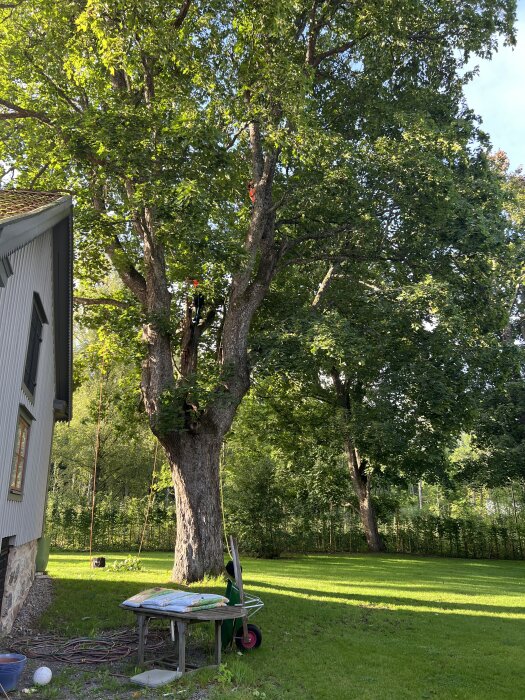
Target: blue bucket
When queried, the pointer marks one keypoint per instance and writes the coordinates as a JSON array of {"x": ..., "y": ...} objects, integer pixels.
[{"x": 11, "y": 667}]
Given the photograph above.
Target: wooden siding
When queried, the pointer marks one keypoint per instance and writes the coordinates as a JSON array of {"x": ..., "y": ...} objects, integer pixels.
[{"x": 32, "y": 272}]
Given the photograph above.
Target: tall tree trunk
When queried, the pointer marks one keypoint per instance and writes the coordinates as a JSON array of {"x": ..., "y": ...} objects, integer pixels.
[
  {"x": 192, "y": 434},
  {"x": 358, "y": 474},
  {"x": 194, "y": 461},
  {"x": 361, "y": 483}
]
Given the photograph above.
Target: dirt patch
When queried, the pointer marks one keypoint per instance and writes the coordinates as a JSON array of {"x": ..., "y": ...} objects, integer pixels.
[
  {"x": 109, "y": 681},
  {"x": 38, "y": 600},
  {"x": 102, "y": 682}
]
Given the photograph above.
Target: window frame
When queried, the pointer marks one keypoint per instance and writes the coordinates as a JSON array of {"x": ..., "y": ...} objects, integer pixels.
[{"x": 18, "y": 465}]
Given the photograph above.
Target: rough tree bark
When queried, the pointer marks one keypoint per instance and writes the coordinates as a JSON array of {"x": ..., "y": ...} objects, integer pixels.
[{"x": 194, "y": 460}]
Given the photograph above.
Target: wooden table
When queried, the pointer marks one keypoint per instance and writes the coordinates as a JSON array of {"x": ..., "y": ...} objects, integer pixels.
[{"x": 179, "y": 622}]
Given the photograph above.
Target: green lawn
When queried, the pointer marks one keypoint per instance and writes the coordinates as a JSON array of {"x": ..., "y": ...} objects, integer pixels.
[{"x": 342, "y": 626}]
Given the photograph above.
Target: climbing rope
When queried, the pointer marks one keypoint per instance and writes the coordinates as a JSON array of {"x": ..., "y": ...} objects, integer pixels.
[
  {"x": 95, "y": 464},
  {"x": 151, "y": 498},
  {"x": 107, "y": 648},
  {"x": 221, "y": 469}
]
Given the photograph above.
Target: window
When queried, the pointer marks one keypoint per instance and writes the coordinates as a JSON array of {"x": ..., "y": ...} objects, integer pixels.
[
  {"x": 20, "y": 453},
  {"x": 38, "y": 318}
]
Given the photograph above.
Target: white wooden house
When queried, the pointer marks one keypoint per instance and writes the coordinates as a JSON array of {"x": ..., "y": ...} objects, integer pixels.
[{"x": 35, "y": 373}]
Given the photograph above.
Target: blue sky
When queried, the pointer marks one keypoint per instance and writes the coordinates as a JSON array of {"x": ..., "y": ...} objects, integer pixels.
[{"x": 497, "y": 95}]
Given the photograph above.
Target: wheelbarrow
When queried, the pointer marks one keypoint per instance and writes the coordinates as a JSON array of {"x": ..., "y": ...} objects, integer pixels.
[{"x": 246, "y": 635}]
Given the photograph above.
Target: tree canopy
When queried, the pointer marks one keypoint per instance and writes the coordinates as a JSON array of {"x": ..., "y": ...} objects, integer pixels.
[{"x": 217, "y": 142}]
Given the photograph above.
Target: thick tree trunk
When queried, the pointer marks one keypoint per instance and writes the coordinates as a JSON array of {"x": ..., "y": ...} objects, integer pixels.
[
  {"x": 194, "y": 460},
  {"x": 361, "y": 483}
]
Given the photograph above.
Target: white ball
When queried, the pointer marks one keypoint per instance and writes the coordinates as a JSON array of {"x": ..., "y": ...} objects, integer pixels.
[{"x": 42, "y": 675}]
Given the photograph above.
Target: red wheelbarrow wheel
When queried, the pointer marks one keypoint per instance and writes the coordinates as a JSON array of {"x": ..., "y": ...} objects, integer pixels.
[{"x": 254, "y": 638}]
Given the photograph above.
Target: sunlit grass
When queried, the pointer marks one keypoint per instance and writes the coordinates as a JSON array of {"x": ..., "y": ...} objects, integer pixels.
[{"x": 343, "y": 627}]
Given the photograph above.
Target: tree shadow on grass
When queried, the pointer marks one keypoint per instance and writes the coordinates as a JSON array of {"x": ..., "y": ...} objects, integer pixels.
[
  {"x": 393, "y": 602},
  {"x": 449, "y": 575},
  {"x": 87, "y": 605}
]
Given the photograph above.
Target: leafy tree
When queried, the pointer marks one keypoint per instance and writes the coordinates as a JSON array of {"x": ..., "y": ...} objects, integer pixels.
[
  {"x": 402, "y": 344},
  {"x": 497, "y": 444},
  {"x": 126, "y": 450},
  {"x": 156, "y": 114},
  {"x": 281, "y": 475}
]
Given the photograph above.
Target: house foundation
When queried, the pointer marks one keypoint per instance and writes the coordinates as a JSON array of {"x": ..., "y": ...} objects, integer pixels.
[{"x": 19, "y": 577}]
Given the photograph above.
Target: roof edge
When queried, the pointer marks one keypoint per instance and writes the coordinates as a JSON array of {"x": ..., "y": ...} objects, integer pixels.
[
  {"x": 33, "y": 212},
  {"x": 23, "y": 228}
]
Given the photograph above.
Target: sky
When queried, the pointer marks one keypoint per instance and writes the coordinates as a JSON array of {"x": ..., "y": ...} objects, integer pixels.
[{"x": 497, "y": 95}]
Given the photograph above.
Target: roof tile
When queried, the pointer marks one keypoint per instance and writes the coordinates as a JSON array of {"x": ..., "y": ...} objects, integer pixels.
[{"x": 19, "y": 202}]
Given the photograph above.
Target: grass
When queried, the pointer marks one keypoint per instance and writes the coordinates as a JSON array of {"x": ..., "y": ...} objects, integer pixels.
[{"x": 340, "y": 626}]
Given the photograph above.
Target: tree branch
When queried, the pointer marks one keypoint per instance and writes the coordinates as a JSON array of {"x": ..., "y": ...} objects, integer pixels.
[
  {"x": 179, "y": 19},
  {"x": 149, "y": 82},
  {"x": 14, "y": 115},
  {"x": 332, "y": 52},
  {"x": 116, "y": 253},
  {"x": 192, "y": 331},
  {"x": 127, "y": 272},
  {"x": 324, "y": 257},
  {"x": 325, "y": 284},
  {"x": 100, "y": 301},
  {"x": 235, "y": 136},
  {"x": 60, "y": 91},
  {"x": 318, "y": 235},
  {"x": 23, "y": 112},
  {"x": 313, "y": 34},
  {"x": 38, "y": 175},
  {"x": 257, "y": 151}
]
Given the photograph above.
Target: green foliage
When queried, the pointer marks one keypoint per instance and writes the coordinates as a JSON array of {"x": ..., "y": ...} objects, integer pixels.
[
  {"x": 255, "y": 510},
  {"x": 126, "y": 451},
  {"x": 128, "y": 564},
  {"x": 118, "y": 526},
  {"x": 224, "y": 675},
  {"x": 281, "y": 477},
  {"x": 381, "y": 171},
  {"x": 136, "y": 108}
]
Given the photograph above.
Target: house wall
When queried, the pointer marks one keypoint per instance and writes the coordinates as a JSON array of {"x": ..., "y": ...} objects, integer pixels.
[
  {"x": 18, "y": 580},
  {"x": 21, "y": 520}
]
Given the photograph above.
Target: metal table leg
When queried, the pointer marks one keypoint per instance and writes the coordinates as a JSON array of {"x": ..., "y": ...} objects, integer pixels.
[
  {"x": 141, "y": 629},
  {"x": 218, "y": 641},
  {"x": 181, "y": 629}
]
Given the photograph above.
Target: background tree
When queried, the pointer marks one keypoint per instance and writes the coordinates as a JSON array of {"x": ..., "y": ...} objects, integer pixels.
[
  {"x": 156, "y": 115},
  {"x": 497, "y": 442},
  {"x": 283, "y": 481}
]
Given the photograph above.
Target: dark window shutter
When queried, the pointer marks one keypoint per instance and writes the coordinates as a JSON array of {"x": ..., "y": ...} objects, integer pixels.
[{"x": 33, "y": 350}]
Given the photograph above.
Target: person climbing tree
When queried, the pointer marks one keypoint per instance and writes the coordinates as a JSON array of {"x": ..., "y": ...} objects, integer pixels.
[{"x": 251, "y": 190}]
